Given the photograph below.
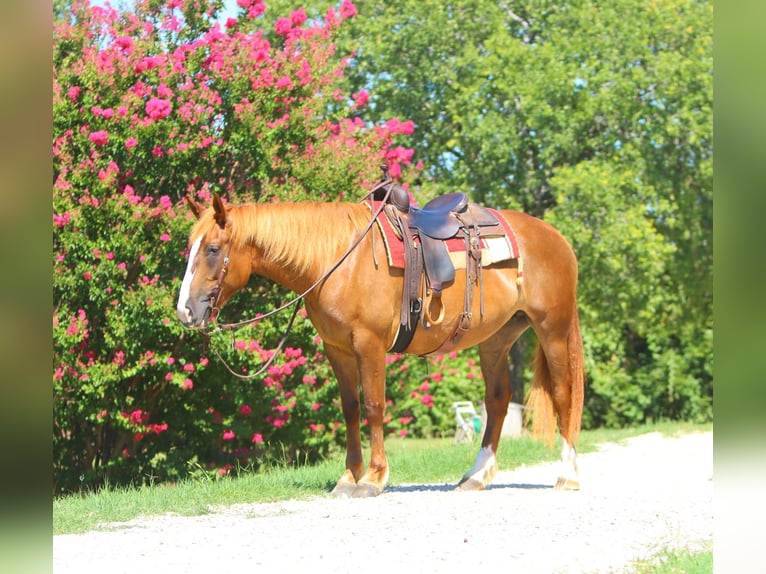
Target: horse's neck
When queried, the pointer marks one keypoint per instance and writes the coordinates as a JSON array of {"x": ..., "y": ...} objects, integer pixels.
[{"x": 296, "y": 243}]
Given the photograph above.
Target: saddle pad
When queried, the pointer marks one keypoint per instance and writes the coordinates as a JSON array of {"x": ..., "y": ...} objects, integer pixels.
[{"x": 494, "y": 248}]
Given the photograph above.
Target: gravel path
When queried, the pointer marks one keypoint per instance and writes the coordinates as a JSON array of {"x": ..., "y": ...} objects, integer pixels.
[{"x": 637, "y": 499}]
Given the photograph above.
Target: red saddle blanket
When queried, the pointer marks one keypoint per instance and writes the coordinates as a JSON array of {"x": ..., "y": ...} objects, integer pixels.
[{"x": 495, "y": 247}]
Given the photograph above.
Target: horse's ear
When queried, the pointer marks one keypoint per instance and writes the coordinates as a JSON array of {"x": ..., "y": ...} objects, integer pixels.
[
  {"x": 195, "y": 207},
  {"x": 220, "y": 211}
]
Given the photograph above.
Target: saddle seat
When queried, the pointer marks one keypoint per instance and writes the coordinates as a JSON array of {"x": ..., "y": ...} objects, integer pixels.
[{"x": 437, "y": 217}]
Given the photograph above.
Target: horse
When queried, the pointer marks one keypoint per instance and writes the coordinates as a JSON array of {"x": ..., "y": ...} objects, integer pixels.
[{"x": 356, "y": 310}]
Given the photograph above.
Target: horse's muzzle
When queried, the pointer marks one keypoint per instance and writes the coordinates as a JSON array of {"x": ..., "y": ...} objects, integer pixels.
[{"x": 195, "y": 318}]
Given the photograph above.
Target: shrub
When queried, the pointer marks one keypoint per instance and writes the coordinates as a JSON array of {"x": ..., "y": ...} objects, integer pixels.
[{"x": 151, "y": 105}]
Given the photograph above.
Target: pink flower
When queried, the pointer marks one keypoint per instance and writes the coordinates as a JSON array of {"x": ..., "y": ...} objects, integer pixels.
[
  {"x": 316, "y": 406},
  {"x": 298, "y": 17},
  {"x": 99, "y": 138},
  {"x": 73, "y": 93},
  {"x": 245, "y": 409},
  {"x": 284, "y": 83},
  {"x": 164, "y": 237},
  {"x": 256, "y": 10},
  {"x": 229, "y": 435},
  {"x": 124, "y": 43},
  {"x": 283, "y": 26},
  {"x": 189, "y": 367},
  {"x": 61, "y": 220},
  {"x": 87, "y": 275},
  {"x": 157, "y": 109},
  {"x": 427, "y": 400},
  {"x": 361, "y": 98},
  {"x": 131, "y": 142},
  {"x": 347, "y": 9},
  {"x": 138, "y": 417},
  {"x": 187, "y": 385},
  {"x": 257, "y": 438},
  {"x": 398, "y": 127},
  {"x": 231, "y": 22}
]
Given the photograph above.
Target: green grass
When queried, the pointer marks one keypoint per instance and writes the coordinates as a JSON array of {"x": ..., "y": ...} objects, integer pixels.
[
  {"x": 676, "y": 562},
  {"x": 412, "y": 461}
]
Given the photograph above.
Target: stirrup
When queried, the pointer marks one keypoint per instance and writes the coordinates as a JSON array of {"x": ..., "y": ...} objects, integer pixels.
[{"x": 428, "y": 319}]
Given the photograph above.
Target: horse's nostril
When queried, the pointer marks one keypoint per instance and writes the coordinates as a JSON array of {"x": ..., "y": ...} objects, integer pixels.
[{"x": 185, "y": 315}]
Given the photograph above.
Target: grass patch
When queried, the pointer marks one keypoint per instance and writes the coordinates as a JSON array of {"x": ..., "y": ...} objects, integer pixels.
[
  {"x": 681, "y": 561},
  {"x": 412, "y": 461}
]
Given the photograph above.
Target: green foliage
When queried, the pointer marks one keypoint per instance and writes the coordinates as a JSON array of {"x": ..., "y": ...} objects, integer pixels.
[{"x": 596, "y": 116}]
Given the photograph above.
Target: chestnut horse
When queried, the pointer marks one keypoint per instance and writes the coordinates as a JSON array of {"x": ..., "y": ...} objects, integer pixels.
[{"x": 356, "y": 311}]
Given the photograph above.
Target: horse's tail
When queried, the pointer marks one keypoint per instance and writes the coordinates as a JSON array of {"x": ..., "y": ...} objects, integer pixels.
[{"x": 540, "y": 402}]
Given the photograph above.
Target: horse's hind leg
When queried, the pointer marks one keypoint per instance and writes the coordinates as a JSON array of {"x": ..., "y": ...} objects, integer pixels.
[
  {"x": 495, "y": 369},
  {"x": 558, "y": 388}
]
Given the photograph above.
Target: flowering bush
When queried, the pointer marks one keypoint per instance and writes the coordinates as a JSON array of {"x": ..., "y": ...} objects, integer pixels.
[
  {"x": 420, "y": 392},
  {"x": 151, "y": 105}
]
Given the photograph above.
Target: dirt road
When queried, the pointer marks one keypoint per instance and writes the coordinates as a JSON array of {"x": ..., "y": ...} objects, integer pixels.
[{"x": 650, "y": 494}]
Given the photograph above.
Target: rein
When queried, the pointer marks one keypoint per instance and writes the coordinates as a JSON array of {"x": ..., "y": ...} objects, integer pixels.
[{"x": 231, "y": 326}]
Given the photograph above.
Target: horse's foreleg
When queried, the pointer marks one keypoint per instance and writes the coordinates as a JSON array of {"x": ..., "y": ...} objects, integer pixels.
[
  {"x": 372, "y": 371},
  {"x": 495, "y": 370},
  {"x": 346, "y": 371}
]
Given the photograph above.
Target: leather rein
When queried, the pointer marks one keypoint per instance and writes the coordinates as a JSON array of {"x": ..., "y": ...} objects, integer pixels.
[{"x": 215, "y": 310}]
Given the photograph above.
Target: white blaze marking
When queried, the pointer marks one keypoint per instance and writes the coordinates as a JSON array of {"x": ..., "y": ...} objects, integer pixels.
[{"x": 183, "y": 296}]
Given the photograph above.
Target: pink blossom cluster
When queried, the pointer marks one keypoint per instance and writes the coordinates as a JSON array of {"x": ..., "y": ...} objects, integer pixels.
[{"x": 147, "y": 112}]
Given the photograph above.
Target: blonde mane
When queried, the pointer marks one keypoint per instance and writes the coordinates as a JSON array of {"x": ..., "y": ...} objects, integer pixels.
[{"x": 295, "y": 235}]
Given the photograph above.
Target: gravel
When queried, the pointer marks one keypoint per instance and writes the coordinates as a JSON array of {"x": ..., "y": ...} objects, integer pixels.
[{"x": 647, "y": 495}]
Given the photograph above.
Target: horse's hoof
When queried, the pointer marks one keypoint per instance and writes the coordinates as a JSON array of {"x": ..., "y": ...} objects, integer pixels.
[
  {"x": 567, "y": 484},
  {"x": 366, "y": 490},
  {"x": 343, "y": 490},
  {"x": 469, "y": 485}
]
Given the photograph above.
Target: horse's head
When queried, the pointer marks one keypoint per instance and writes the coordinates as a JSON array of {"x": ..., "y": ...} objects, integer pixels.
[{"x": 216, "y": 268}]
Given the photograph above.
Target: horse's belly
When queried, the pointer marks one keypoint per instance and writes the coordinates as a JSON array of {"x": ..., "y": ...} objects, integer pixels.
[{"x": 501, "y": 300}]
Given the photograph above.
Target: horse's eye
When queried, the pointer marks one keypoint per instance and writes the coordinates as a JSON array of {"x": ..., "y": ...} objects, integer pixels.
[{"x": 212, "y": 249}]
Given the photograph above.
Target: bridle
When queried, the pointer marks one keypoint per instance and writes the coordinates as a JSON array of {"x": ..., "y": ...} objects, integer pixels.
[{"x": 216, "y": 293}]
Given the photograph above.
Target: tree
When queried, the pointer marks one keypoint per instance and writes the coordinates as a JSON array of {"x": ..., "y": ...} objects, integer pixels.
[{"x": 596, "y": 116}]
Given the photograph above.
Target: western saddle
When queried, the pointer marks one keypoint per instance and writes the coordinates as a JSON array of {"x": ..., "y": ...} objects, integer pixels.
[{"x": 428, "y": 267}]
